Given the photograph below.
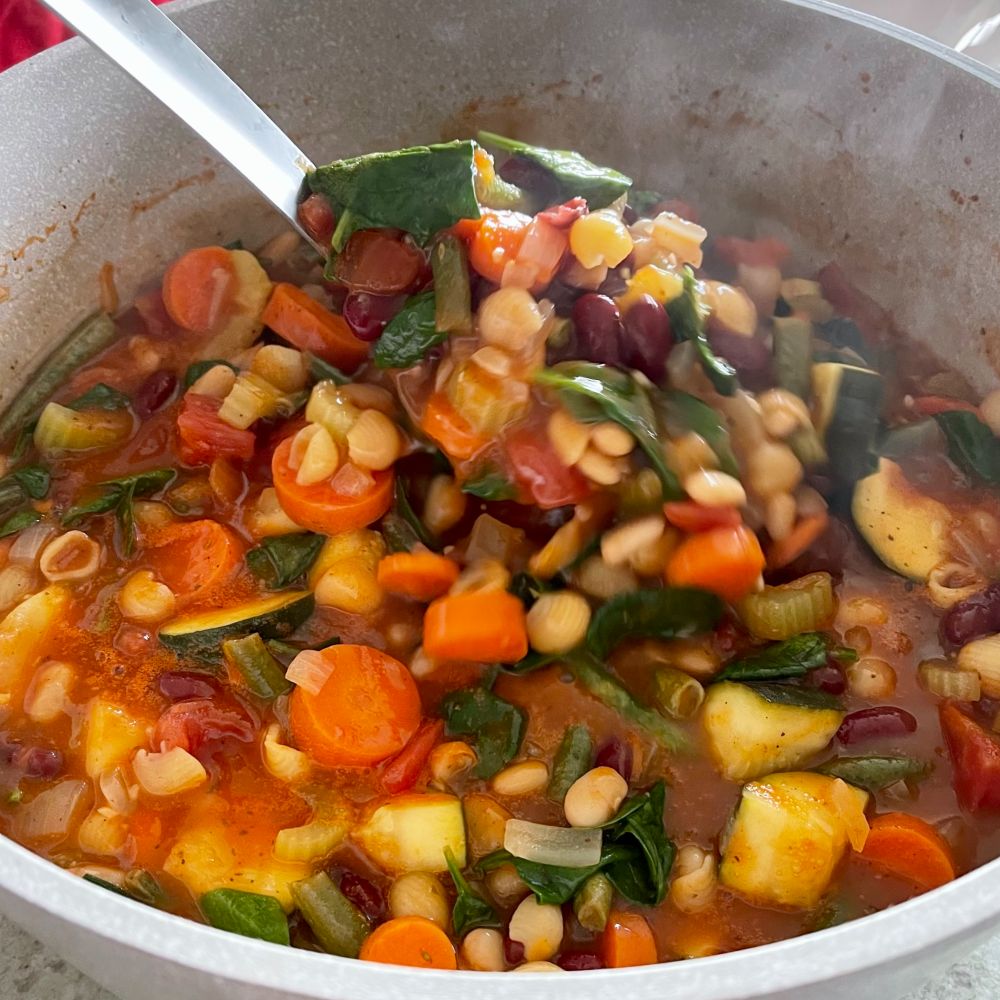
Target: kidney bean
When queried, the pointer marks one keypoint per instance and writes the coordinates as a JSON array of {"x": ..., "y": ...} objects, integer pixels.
[
  {"x": 829, "y": 678},
  {"x": 875, "y": 723},
  {"x": 154, "y": 393},
  {"x": 367, "y": 314},
  {"x": 598, "y": 326},
  {"x": 365, "y": 895},
  {"x": 563, "y": 297},
  {"x": 617, "y": 755},
  {"x": 180, "y": 686},
  {"x": 40, "y": 762},
  {"x": 750, "y": 356},
  {"x": 647, "y": 338},
  {"x": 513, "y": 951},
  {"x": 972, "y": 618},
  {"x": 580, "y": 961}
]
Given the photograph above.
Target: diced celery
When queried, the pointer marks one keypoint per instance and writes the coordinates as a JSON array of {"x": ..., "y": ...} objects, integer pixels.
[
  {"x": 804, "y": 605},
  {"x": 60, "y": 430}
]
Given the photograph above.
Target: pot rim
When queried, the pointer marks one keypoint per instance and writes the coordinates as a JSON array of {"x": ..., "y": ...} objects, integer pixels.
[{"x": 963, "y": 908}]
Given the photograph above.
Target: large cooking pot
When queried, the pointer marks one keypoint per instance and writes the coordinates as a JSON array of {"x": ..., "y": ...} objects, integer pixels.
[{"x": 857, "y": 141}]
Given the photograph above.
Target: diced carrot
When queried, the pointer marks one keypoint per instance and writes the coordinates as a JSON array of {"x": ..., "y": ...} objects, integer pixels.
[
  {"x": 628, "y": 941},
  {"x": 367, "y": 709},
  {"x": 413, "y": 941},
  {"x": 930, "y": 406},
  {"x": 401, "y": 773},
  {"x": 910, "y": 848},
  {"x": 310, "y": 326},
  {"x": 690, "y": 516},
  {"x": 319, "y": 507},
  {"x": 487, "y": 627},
  {"x": 725, "y": 561},
  {"x": 193, "y": 557},
  {"x": 807, "y": 531},
  {"x": 198, "y": 288},
  {"x": 496, "y": 242},
  {"x": 420, "y": 575},
  {"x": 442, "y": 422}
]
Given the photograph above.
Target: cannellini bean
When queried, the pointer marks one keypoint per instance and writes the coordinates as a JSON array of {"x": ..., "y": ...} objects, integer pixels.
[
  {"x": 569, "y": 438},
  {"x": 773, "y": 468},
  {"x": 538, "y": 927},
  {"x": 420, "y": 894},
  {"x": 445, "y": 504},
  {"x": 694, "y": 879},
  {"x": 451, "y": 760},
  {"x": 711, "y": 488},
  {"x": 595, "y": 797},
  {"x": 600, "y": 468},
  {"x": 871, "y": 678},
  {"x": 506, "y": 886},
  {"x": 612, "y": 439},
  {"x": 521, "y": 779},
  {"x": 482, "y": 950},
  {"x": 624, "y": 541}
]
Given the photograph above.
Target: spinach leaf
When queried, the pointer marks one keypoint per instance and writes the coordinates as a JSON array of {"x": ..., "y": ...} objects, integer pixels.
[
  {"x": 118, "y": 495},
  {"x": 31, "y": 482},
  {"x": 105, "y": 884},
  {"x": 496, "y": 725},
  {"x": 323, "y": 371},
  {"x": 246, "y": 913},
  {"x": 572, "y": 174},
  {"x": 643, "y": 878},
  {"x": 642, "y": 201},
  {"x": 490, "y": 484},
  {"x": 18, "y": 522},
  {"x": 470, "y": 910},
  {"x": 144, "y": 887},
  {"x": 837, "y": 911},
  {"x": 552, "y": 884},
  {"x": 25, "y": 437},
  {"x": 790, "y": 658},
  {"x": 972, "y": 446},
  {"x": 873, "y": 772},
  {"x": 402, "y": 529},
  {"x": 100, "y": 397},
  {"x": 688, "y": 322},
  {"x": 667, "y": 613},
  {"x": 527, "y": 588},
  {"x": 683, "y": 412},
  {"x": 795, "y": 694},
  {"x": 409, "y": 335},
  {"x": 280, "y": 560},
  {"x": 595, "y": 392},
  {"x": 421, "y": 190},
  {"x": 198, "y": 368}
]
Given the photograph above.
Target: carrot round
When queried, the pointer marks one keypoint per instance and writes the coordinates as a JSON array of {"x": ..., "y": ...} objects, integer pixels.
[
  {"x": 488, "y": 627},
  {"x": 420, "y": 575},
  {"x": 318, "y": 507},
  {"x": 807, "y": 531},
  {"x": 310, "y": 326},
  {"x": 366, "y": 710},
  {"x": 193, "y": 557},
  {"x": 911, "y": 849},
  {"x": 198, "y": 288},
  {"x": 725, "y": 561},
  {"x": 442, "y": 422},
  {"x": 414, "y": 941},
  {"x": 628, "y": 941},
  {"x": 496, "y": 242}
]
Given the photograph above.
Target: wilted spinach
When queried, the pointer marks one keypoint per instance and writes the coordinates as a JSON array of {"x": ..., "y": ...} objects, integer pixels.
[{"x": 281, "y": 560}]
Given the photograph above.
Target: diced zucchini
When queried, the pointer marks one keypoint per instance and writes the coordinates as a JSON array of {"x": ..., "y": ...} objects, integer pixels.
[
  {"x": 61, "y": 430},
  {"x": 748, "y": 735},
  {"x": 111, "y": 734},
  {"x": 793, "y": 354},
  {"x": 201, "y": 635},
  {"x": 410, "y": 833},
  {"x": 24, "y": 632},
  {"x": 848, "y": 401},
  {"x": 906, "y": 529},
  {"x": 788, "y": 836},
  {"x": 253, "y": 289}
]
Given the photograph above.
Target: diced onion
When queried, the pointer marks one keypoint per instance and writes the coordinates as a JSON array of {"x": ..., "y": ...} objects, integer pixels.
[
  {"x": 51, "y": 814},
  {"x": 168, "y": 773},
  {"x": 116, "y": 791},
  {"x": 850, "y": 807},
  {"x": 30, "y": 542},
  {"x": 350, "y": 481},
  {"x": 310, "y": 670},
  {"x": 284, "y": 762},
  {"x": 552, "y": 845},
  {"x": 982, "y": 656},
  {"x": 311, "y": 842}
]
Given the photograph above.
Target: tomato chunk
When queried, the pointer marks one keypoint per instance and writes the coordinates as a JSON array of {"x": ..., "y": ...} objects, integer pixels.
[
  {"x": 975, "y": 757},
  {"x": 203, "y": 436}
]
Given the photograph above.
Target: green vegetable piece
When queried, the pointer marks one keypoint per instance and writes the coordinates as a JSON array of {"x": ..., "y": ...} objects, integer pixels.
[
  {"x": 793, "y": 354},
  {"x": 338, "y": 925},
  {"x": 422, "y": 190},
  {"x": 573, "y": 759},
  {"x": 641, "y": 202},
  {"x": 246, "y": 913},
  {"x": 30, "y": 482},
  {"x": 452, "y": 294},
  {"x": 105, "y": 884},
  {"x": 402, "y": 529},
  {"x": 795, "y": 695},
  {"x": 552, "y": 884},
  {"x": 198, "y": 368},
  {"x": 496, "y": 725},
  {"x": 572, "y": 174},
  {"x": 592, "y": 903},
  {"x": 100, "y": 397},
  {"x": 665, "y": 613},
  {"x": 501, "y": 194},
  {"x": 409, "y": 335},
  {"x": 791, "y": 658},
  {"x": 527, "y": 588},
  {"x": 18, "y": 522},
  {"x": 323, "y": 371},
  {"x": 281, "y": 560},
  {"x": 676, "y": 694},
  {"x": 683, "y": 412},
  {"x": 594, "y": 393},
  {"x": 254, "y": 662},
  {"x": 687, "y": 319},
  {"x": 873, "y": 772},
  {"x": 144, "y": 887},
  {"x": 285, "y": 652},
  {"x": 972, "y": 446},
  {"x": 490, "y": 484},
  {"x": 470, "y": 910}
]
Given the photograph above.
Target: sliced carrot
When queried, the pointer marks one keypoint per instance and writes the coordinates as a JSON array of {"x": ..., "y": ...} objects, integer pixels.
[
  {"x": 725, "y": 561},
  {"x": 310, "y": 326},
  {"x": 488, "y": 627},
  {"x": 367, "y": 709},
  {"x": 496, "y": 242},
  {"x": 910, "y": 848},
  {"x": 193, "y": 557},
  {"x": 420, "y": 575},
  {"x": 414, "y": 941},
  {"x": 318, "y": 507},
  {"x": 442, "y": 422},
  {"x": 198, "y": 288},
  {"x": 807, "y": 531},
  {"x": 628, "y": 941}
]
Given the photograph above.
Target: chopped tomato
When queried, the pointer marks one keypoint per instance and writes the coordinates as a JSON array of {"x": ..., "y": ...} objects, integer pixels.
[
  {"x": 192, "y": 724},
  {"x": 401, "y": 773},
  {"x": 316, "y": 217},
  {"x": 975, "y": 758},
  {"x": 690, "y": 516},
  {"x": 540, "y": 472},
  {"x": 203, "y": 436},
  {"x": 380, "y": 261}
]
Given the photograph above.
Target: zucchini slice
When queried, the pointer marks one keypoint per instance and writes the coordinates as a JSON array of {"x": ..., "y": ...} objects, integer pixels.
[
  {"x": 750, "y": 734},
  {"x": 788, "y": 835},
  {"x": 847, "y": 403},
  {"x": 906, "y": 529},
  {"x": 793, "y": 354},
  {"x": 201, "y": 635}
]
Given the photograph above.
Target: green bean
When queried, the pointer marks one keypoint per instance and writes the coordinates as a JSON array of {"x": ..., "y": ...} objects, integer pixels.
[
  {"x": 592, "y": 902},
  {"x": 573, "y": 759},
  {"x": 338, "y": 925},
  {"x": 254, "y": 662}
]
